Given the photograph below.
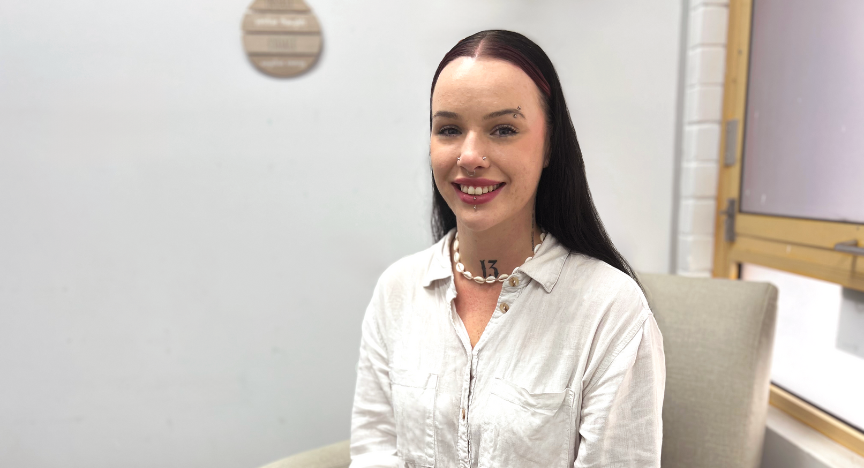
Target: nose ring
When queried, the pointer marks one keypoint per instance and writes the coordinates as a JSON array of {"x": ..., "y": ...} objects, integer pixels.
[{"x": 473, "y": 173}]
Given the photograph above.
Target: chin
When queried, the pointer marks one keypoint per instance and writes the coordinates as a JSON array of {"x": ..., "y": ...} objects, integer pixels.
[{"x": 479, "y": 220}]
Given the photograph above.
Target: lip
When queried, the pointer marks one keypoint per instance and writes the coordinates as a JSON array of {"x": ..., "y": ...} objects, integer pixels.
[{"x": 477, "y": 199}]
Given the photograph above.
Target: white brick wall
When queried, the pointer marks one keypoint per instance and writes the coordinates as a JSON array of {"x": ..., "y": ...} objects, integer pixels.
[{"x": 703, "y": 106}]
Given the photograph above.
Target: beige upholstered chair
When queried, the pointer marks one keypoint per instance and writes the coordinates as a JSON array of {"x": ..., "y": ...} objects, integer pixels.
[
  {"x": 330, "y": 456},
  {"x": 718, "y": 336}
]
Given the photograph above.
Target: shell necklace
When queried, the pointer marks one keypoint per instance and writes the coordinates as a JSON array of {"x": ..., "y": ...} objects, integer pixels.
[{"x": 491, "y": 279}]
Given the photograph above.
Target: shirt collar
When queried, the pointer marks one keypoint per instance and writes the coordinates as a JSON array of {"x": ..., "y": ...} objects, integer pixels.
[{"x": 545, "y": 267}]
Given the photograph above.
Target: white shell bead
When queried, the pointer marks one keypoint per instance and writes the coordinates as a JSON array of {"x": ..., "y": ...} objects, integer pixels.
[
  {"x": 528, "y": 259},
  {"x": 456, "y": 257},
  {"x": 542, "y": 236},
  {"x": 460, "y": 267},
  {"x": 479, "y": 279},
  {"x": 503, "y": 277},
  {"x": 456, "y": 245},
  {"x": 536, "y": 248},
  {"x": 467, "y": 275},
  {"x": 490, "y": 280}
]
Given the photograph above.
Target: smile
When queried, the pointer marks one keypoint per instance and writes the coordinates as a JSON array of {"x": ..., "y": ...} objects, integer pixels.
[
  {"x": 471, "y": 190},
  {"x": 477, "y": 191}
]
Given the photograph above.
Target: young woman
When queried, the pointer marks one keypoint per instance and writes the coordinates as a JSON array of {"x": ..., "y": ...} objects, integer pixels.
[{"x": 521, "y": 338}]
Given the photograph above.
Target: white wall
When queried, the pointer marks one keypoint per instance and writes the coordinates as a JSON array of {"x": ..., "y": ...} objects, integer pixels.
[
  {"x": 187, "y": 246},
  {"x": 707, "y": 25}
]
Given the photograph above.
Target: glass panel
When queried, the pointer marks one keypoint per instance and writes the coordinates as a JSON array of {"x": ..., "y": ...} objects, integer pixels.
[
  {"x": 819, "y": 344},
  {"x": 804, "y": 130}
]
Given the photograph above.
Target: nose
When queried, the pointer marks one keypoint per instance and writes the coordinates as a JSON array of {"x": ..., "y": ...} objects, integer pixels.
[{"x": 472, "y": 156}]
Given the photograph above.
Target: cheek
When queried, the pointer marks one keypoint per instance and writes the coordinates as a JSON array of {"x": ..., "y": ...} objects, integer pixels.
[
  {"x": 530, "y": 162},
  {"x": 441, "y": 162}
]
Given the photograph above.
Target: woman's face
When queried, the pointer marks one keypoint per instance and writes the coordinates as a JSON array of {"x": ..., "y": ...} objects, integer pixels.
[{"x": 487, "y": 143}]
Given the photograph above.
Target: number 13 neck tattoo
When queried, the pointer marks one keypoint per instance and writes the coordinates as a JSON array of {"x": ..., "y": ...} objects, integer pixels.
[{"x": 491, "y": 278}]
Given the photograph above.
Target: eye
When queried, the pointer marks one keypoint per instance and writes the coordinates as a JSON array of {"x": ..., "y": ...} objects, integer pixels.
[
  {"x": 449, "y": 130},
  {"x": 504, "y": 131}
]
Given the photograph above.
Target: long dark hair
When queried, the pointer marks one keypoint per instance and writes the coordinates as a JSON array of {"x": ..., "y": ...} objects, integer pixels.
[{"x": 564, "y": 206}]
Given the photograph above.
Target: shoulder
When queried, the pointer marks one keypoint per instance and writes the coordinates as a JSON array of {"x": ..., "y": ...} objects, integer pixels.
[
  {"x": 410, "y": 269},
  {"x": 601, "y": 284},
  {"x": 401, "y": 286},
  {"x": 606, "y": 302},
  {"x": 411, "y": 272}
]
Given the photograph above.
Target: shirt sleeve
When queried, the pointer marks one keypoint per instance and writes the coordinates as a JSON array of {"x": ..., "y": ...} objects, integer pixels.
[
  {"x": 373, "y": 430},
  {"x": 622, "y": 424}
]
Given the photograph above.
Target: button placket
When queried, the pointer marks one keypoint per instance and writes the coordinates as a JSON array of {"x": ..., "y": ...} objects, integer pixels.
[{"x": 511, "y": 290}]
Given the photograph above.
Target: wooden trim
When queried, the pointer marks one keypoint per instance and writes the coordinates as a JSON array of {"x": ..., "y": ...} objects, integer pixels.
[
  {"x": 823, "y": 422},
  {"x": 826, "y": 265},
  {"x": 824, "y": 234},
  {"x": 734, "y": 106}
]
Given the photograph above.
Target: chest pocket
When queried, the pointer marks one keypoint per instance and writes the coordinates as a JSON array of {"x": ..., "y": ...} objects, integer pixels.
[
  {"x": 413, "y": 398},
  {"x": 527, "y": 429}
]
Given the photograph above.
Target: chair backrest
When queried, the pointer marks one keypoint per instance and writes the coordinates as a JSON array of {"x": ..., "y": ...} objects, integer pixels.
[
  {"x": 718, "y": 337},
  {"x": 330, "y": 456}
]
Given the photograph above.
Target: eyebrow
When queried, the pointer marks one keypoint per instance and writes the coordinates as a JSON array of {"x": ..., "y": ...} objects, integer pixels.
[
  {"x": 453, "y": 115},
  {"x": 502, "y": 112},
  {"x": 446, "y": 114}
]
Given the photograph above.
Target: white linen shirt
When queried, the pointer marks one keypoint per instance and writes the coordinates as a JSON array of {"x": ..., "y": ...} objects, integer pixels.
[{"x": 568, "y": 372}]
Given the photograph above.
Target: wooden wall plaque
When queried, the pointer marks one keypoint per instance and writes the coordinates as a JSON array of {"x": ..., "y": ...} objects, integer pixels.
[{"x": 281, "y": 37}]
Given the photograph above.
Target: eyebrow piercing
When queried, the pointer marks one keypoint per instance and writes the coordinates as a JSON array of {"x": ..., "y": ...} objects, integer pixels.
[{"x": 484, "y": 158}]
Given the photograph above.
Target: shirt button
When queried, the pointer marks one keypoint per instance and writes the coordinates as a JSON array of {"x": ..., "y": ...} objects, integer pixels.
[
  {"x": 504, "y": 307},
  {"x": 514, "y": 281}
]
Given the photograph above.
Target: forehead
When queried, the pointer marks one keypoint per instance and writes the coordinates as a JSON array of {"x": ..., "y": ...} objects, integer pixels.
[{"x": 482, "y": 82}]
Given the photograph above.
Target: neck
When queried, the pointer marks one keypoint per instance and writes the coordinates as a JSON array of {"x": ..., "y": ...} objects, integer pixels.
[{"x": 500, "y": 248}]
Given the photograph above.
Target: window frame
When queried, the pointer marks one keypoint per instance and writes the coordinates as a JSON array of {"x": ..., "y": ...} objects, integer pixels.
[{"x": 801, "y": 246}]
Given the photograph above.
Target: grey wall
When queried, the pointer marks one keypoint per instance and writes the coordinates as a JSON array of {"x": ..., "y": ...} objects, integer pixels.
[{"x": 187, "y": 246}]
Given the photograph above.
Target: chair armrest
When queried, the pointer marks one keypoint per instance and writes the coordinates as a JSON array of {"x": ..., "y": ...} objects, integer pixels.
[{"x": 330, "y": 456}]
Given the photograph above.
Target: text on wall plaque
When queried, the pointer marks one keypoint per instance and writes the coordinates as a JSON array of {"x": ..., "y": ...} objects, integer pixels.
[{"x": 281, "y": 37}]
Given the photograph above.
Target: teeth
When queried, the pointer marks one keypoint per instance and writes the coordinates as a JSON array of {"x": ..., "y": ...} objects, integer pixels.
[{"x": 471, "y": 190}]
